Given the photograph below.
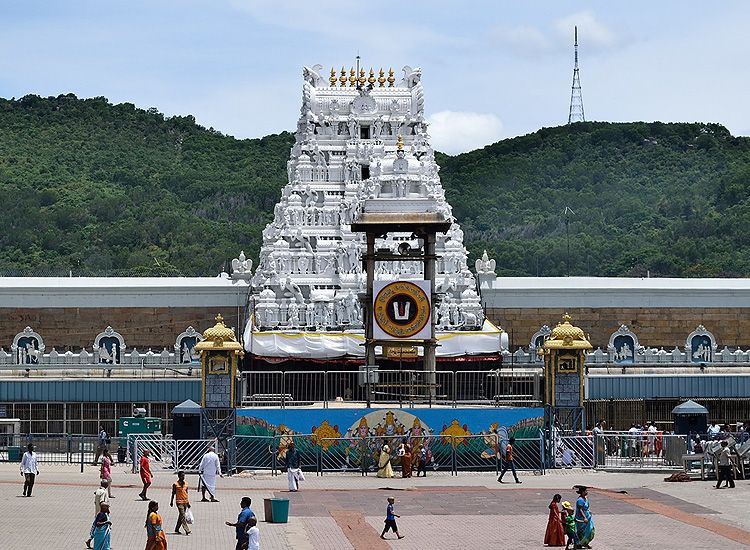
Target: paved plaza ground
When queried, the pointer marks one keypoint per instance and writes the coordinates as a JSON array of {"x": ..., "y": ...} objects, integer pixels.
[{"x": 344, "y": 511}]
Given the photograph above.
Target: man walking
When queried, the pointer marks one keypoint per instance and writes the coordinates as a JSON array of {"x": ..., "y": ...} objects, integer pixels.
[
  {"x": 101, "y": 496},
  {"x": 508, "y": 461},
  {"x": 209, "y": 468},
  {"x": 180, "y": 494},
  {"x": 29, "y": 469},
  {"x": 293, "y": 472},
  {"x": 242, "y": 523},
  {"x": 102, "y": 444},
  {"x": 725, "y": 467},
  {"x": 146, "y": 476}
]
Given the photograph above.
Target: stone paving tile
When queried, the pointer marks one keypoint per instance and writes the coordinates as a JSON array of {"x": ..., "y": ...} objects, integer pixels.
[
  {"x": 489, "y": 532},
  {"x": 465, "y": 511},
  {"x": 325, "y": 534},
  {"x": 680, "y": 504}
]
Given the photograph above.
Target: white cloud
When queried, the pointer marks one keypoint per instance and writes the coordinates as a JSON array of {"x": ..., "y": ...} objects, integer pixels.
[
  {"x": 523, "y": 39},
  {"x": 456, "y": 132},
  {"x": 590, "y": 29}
]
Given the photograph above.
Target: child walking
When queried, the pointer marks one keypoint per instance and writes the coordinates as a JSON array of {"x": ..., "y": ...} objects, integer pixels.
[
  {"x": 569, "y": 520},
  {"x": 390, "y": 520}
]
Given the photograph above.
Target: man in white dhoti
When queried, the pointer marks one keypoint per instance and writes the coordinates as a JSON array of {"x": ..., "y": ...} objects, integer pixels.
[{"x": 208, "y": 470}]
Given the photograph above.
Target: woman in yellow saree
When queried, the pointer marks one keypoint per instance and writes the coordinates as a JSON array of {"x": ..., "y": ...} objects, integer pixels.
[
  {"x": 157, "y": 540},
  {"x": 384, "y": 463}
]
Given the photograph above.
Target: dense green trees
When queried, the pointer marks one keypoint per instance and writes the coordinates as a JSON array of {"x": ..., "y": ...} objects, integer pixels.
[
  {"x": 98, "y": 188},
  {"x": 669, "y": 199}
]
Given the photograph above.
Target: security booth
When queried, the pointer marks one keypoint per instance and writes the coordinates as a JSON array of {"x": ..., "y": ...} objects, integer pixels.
[
  {"x": 186, "y": 420},
  {"x": 690, "y": 418},
  {"x": 564, "y": 352},
  {"x": 220, "y": 354}
]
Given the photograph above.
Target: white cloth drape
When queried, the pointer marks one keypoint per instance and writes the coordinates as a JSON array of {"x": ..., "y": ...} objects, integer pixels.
[{"x": 329, "y": 345}]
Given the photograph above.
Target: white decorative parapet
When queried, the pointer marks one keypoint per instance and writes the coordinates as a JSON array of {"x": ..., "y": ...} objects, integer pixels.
[{"x": 109, "y": 352}]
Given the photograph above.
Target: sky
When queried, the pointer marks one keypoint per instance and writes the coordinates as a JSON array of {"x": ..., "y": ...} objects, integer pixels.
[{"x": 491, "y": 70}]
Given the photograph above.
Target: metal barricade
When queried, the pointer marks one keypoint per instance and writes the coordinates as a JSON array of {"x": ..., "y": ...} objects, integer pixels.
[
  {"x": 162, "y": 451},
  {"x": 304, "y": 388},
  {"x": 344, "y": 454},
  {"x": 188, "y": 453},
  {"x": 478, "y": 453},
  {"x": 51, "y": 448},
  {"x": 410, "y": 387},
  {"x": 263, "y": 389},
  {"x": 639, "y": 450},
  {"x": 574, "y": 451},
  {"x": 252, "y": 452},
  {"x": 528, "y": 453}
]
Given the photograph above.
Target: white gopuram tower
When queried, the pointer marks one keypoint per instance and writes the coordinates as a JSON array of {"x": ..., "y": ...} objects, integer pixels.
[{"x": 359, "y": 136}]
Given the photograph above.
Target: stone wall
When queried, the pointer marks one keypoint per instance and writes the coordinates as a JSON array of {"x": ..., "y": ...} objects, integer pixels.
[
  {"x": 141, "y": 327},
  {"x": 655, "y": 327}
]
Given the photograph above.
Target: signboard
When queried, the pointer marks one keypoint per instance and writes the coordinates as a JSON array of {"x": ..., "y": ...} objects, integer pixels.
[
  {"x": 398, "y": 352},
  {"x": 401, "y": 310}
]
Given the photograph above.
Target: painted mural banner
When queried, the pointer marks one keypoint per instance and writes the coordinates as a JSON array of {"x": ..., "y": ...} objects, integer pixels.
[{"x": 352, "y": 439}]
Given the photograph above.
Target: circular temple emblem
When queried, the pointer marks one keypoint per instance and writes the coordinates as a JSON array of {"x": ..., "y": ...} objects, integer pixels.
[{"x": 402, "y": 309}]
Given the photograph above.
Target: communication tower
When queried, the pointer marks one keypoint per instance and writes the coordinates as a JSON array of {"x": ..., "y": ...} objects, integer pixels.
[{"x": 576, "y": 99}]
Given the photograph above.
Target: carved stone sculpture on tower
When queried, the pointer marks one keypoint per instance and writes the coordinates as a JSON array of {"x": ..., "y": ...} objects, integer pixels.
[{"x": 354, "y": 141}]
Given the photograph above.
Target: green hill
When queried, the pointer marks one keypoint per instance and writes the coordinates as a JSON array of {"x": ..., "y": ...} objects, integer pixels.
[
  {"x": 669, "y": 199},
  {"x": 111, "y": 189}
]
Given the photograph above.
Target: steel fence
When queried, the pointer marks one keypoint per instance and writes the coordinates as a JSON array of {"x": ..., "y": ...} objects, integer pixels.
[
  {"x": 639, "y": 450},
  {"x": 50, "y": 448},
  {"x": 167, "y": 453},
  {"x": 574, "y": 451},
  {"x": 444, "y": 453},
  {"x": 252, "y": 452},
  {"x": 500, "y": 387}
]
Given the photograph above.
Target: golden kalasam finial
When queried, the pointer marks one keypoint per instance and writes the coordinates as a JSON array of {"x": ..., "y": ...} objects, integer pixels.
[
  {"x": 362, "y": 78},
  {"x": 342, "y": 78},
  {"x": 352, "y": 78},
  {"x": 371, "y": 79},
  {"x": 381, "y": 78},
  {"x": 333, "y": 78},
  {"x": 391, "y": 78},
  {"x": 219, "y": 318},
  {"x": 400, "y": 143},
  {"x": 566, "y": 317}
]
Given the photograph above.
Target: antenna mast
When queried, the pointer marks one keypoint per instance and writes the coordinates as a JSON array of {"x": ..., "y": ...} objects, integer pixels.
[{"x": 576, "y": 99}]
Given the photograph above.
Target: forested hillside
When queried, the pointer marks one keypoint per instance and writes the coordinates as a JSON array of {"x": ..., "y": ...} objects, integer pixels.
[
  {"x": 96, "y": 188},
  {"x": 110, "y": 189},
  {"x": 669, "y": 199}
]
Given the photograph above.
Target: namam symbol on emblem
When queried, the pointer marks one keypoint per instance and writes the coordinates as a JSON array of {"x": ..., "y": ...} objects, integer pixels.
[{"x": 402, "y": 309}]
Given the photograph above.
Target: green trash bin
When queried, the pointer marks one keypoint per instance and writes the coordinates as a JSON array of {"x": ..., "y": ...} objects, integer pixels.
[
  {"x": 279, "y": 510},
  {"x": 14, "y": 454}
]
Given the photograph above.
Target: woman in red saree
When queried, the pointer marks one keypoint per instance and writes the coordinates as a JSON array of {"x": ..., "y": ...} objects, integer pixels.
[{"x": 555, "y": 534}]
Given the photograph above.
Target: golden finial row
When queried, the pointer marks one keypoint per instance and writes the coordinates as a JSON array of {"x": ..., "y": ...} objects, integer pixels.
[{"x": 355, "y": 80}]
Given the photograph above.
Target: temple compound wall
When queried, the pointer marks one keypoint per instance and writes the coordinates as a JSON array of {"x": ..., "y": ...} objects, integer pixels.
[
  {"x": 658, "y": 327},
  {"x": 68, "y": 313}
]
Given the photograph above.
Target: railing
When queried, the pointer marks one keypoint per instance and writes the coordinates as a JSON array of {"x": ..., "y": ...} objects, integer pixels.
[
  {"x": 410, "y": 388},
  {"x": 619, "y": 450},
  {"x": 168, "y": 453},
  {"x": 361, "y": 454},
  {"x": 52, "y": 448}
]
